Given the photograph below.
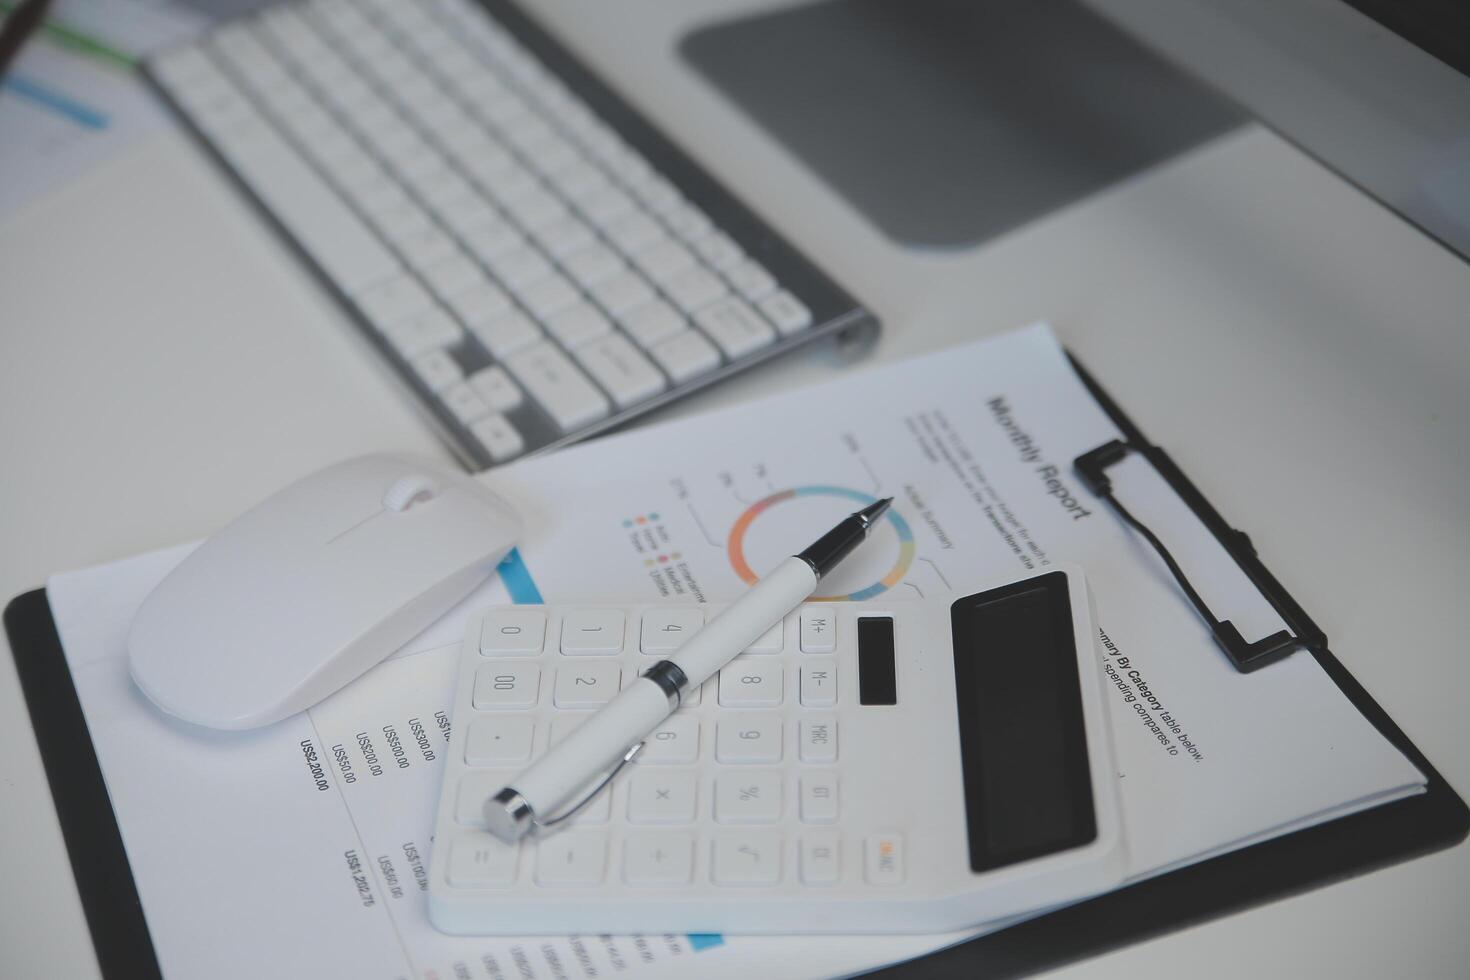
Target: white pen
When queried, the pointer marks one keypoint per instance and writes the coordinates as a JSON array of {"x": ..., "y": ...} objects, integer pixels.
[{"x": 598, "y": 749}]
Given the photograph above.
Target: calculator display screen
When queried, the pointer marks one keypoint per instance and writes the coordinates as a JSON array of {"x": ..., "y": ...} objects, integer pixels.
[{"x": 1023, "y": 746}]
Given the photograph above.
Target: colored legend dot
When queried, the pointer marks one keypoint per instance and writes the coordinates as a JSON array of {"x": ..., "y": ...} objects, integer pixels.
[
  {"x": 627, "y": 523},
  {"x": 663, "y": 558},
  {"x": 653, "y": 517},
  {"x": 648, "y": 561},
  {"x": 676, "y": 556},
  {"x": 642, "y": 520}
]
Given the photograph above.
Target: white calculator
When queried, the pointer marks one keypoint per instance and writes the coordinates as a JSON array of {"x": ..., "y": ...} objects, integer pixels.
[{"x": 911, "y": 765}]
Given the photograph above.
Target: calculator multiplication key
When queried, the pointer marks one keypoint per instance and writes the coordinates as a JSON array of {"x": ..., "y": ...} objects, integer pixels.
[
  {"x": 819, "y": 859},
  {"x": 513, "y": 633},
  {"x": 674, "y": 742},
  {"x": 571, "y": 857},
  {"x": 663, "y": 857},
  {"x": 480, "y": 861},
  {"x": 586, "y": 685},
  {"x": 817, "y": 739},
  {"x": 496, "y": 739},
  {"x": 748, "y": 858},
  {"x": 748, "y": 796},
  {"x": 819, "y": 683},
  {"x": 818, "y": 630},
  {"x": 751, "y": 682},
  {"x": 664, "y": 630},
  {"x": 506, "y": 686},
  {"x": 663, "y": 796},
  {"x": 748, "y": 738},
  {"x": 592, "y": 633},
  {"x": 818, "y": 803}
]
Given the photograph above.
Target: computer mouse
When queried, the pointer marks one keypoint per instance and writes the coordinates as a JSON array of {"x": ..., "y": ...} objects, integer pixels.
[{"x": 308, "y": 589}]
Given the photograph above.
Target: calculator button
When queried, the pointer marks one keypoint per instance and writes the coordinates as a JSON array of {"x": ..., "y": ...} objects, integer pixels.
[
  {"x": 751, "y": 683},
  {"x": 771, "y": 641},
  {"x": 586, "y": 685},
  {"x": 495, "y": 739},
  {"x": 665, "y": 630},
  {"x": 658, "y": 858},
  {"x": 512, "y": 633},
  {"x": 819, "y": 862},
  {"x": 592, "y": 632},
  {"x": 571, "y": 858},
  {"x": 565, "y": 725},
  {"x": 818, "y": 802},
  {"x": 819, "y": 683},
  {"x": 474, "y": 789},
  {"x": 506, "y": 685},
  {"x": 817, "y": 740},
  {"x": 748, "y": 738},
  {"x": 675, "y": 741},
  {"x": 883, "y": 859},
  {"x": 479, "y": 860},
  {"x": 818, "y": 630},
  {"x": 750, "y": 858},
  {"x": 662, "y": 796},
  {"x": 748, "y": 797}
]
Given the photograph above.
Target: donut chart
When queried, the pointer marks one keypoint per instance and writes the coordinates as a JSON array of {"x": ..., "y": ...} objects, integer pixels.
[{"x": 906, "y": 548}]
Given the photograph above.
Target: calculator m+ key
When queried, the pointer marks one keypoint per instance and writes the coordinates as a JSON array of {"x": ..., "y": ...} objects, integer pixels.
[{"x": 917, "y": 765}]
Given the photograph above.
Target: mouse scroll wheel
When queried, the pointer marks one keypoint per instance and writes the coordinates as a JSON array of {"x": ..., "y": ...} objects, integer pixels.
[{"x": 409, "y": 490}]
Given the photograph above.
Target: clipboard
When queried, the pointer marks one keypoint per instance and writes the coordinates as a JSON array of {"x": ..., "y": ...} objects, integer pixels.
[{"x": 1252, "y": 875}]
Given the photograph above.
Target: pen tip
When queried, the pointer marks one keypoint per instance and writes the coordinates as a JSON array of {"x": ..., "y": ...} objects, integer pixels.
[{"x": 876, "y": 509}]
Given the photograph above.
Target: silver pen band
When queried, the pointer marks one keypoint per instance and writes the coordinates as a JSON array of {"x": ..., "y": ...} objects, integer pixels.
[
  {"x": 671, "y": 679},
  {"x": 508, "y": 815}
]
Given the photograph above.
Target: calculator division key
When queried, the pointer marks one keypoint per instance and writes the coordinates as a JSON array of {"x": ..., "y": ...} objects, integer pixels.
[
  {"x": 820, "y": 864},
  {"x": 665, "y": 630},
  {"x": 819, "y": 683},
  {"x": 749, "y": 682},
  {"x": 748, "y": 738},
  {"x": 818, "y": 630},
  {"x": 674, "y": 742},
  {"x": 818, "y": 797},
  {"x": 512, "y": 633},
  {"x": 883, "y": 859},
  {"x": 817, "y": 739},
  {"x": 751, "y": 857},
  {"x": 480, "y": 860},
  {"x": 495, "y": 739},
  {"x": 658, "y": 858},
  {"x": 662, "y": 796},
  {"x": 572, "y": 857},
  {"x": 748, "y": 797},
  {"x": 506, "y": 685},
  {"x": 592, "y": 632},
  {"x": 587, "y": 685}
]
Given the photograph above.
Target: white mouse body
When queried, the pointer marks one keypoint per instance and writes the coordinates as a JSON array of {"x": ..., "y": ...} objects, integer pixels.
[{"x": 304, "y": 592}]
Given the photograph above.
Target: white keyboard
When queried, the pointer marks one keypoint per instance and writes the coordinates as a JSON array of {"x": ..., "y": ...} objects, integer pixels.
[
  {"x": 830, "y": 779},
  {"x": 537, "y": 261}
]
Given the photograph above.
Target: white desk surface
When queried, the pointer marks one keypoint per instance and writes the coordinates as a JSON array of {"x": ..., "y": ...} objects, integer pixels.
[{"x": 1302, "y": 353}]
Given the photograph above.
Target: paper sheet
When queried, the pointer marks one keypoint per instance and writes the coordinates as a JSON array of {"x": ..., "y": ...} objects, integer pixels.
[{"x": 251, "y": 854}]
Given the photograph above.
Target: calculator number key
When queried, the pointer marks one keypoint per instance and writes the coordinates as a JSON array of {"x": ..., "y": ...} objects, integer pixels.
[
  {"x": 512, "y": 633},
  {"x": 674, "y": 742},
  {"x": 665, "y": 630},
  {"x": 818, "y": 801},
  {"x": 748, "y": 797},
  {"x": 586, "y": 685},
  {"x": 506, "y": 686},
  {"x": 750, "y": 858},
  {"x": 819, "y": 683},
  {"x": 749, "y": 682},
  {"x": 818, "y": 630},
  {"x": 748, "y": 738},
  {"x": 817, "y": 740},
  {"x": 658, "y": 858},
  {"x": 592, "y": 633}
]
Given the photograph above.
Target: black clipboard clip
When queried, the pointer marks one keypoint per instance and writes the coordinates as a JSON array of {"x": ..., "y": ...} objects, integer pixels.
[{"x": 1246, "y": 656}]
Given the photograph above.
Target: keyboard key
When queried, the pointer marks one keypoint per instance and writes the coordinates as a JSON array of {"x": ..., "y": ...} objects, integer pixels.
[
  {"x": 819, "y": 683},
  {"x": 454, "y": 275},
  {"x": 662, "y": 795},
  {"x": 747, "y": 858},
  {"x": 818, "y": 630},
  {"x": 548, "y": 295},
  {"x": 652, "y": 322},
  {"x": 675, "y": 742},
  {"x": 605, "y": 206},
  {"x": 771, "y": 641},
  {"x": 735, "y": 327},
  {"x": 492, "y": 239},
  {"x": 592, "y": 632},
  {"x": 560, "y": 388},
  {"x": 424, "y": 248},
  {"x": 748, "y": 797},
  {"x": 665, "y": 259},
  {"x": 817, "y": 739},
  {"x": 428, "y": 331},
  {"x": 719, "y": 250},
  {"x": 622, "y": 292},
  {"x": 437, "y": 370},
  {"x": 391, "y": 301},
  {"x": 464, "y": 403},
  {"x": 754, "y": 738},
  {"x": 664, "y": 630},
  {"x": 587, "y": 685},
  {"x": 506, "y": 685},
  {"x": 494, "y": 386},
  {"x": 818, "y": 802},
  {"x": 496, "y": 740},
  {"x": 749, "y": 682},
  {"x": 481, "y": 861},
  {"x": 658, "y": 858},
  {"x": 883, "y": 859},
  {"x": 685, "y": 356},
  {"x": 694, "y": 288},
  {"x": 688, "y": 222},
  {"x": 480, "y": 303},
  {"x": 635, "y": 232},
  {"x": 593, "y": 264},
  {"x": 751, "y": 279},
  {"x": 512, "y": 633},
  {"x": 787, "y": 312},
  {"x": 565, "y": 236},
  {"x": 506, "y": 334},
  {"x": 578, "y": 325},
  {"x": 519, "y": 268},
  {"x": 622, "y": 371},
  {"x": 500, "y": 439},
  {"x": 572, "y": 857},
  {"x": 819, "y": 859}
]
